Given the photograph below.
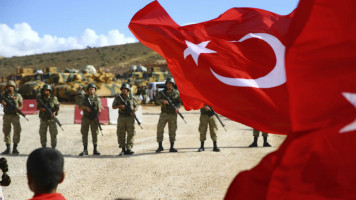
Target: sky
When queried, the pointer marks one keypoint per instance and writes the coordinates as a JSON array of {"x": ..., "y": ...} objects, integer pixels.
[{"x": 30, "y": 27}]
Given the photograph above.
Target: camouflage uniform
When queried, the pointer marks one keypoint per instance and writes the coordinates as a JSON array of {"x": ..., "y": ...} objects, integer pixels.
[
  {"x": 79, "y": 95},
  {"x": 207, "y": 119},
  {"x": 125, "y": 122},
  {"x": 88, "y": 120},
  {"x": 12, "y": 117},
  {"x": 144, "y": 95},
  {"x": 46, "y": 121},
  {"x": 256, "y": 133},
  {"x": 168, "y": 115}
]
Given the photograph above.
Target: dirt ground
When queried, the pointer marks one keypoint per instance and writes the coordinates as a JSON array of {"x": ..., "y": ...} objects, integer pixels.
[{"x": 187, "y": 174}]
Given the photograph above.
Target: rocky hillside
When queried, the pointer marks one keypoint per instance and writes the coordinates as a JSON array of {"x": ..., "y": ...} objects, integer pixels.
[{"x": 115, "y": 59}]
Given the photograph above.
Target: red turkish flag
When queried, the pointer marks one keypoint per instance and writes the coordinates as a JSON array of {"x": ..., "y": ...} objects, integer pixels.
[
  {"x": 235, "y": 63},
  {"x": 321, "y": 63},
  {"x": 318, "y": 161}
]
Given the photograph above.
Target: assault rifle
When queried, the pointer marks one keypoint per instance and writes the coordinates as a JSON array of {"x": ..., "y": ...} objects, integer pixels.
[
  {"x": 171, "y": 104},
  {"x": 94, "y": 115},
  {"x": 49, "y": 112},
  {"x": 129, "y": 110},
  {"x": 12, "y": 106},
  {"x": 212, "y": 112}
]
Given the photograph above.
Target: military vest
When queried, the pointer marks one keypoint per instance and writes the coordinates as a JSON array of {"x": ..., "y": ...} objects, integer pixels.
[
  {"x": 94, "y": 101},
  {"x": 15, "y": 99},
  {"x": 51, "y": 103},
  {"x": 173, "y": 96},
  {"x": 205, "y": 112},
  {"x": 129, "y": 101}
]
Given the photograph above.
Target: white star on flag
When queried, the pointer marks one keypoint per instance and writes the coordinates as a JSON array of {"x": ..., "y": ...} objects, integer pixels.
[
  {"x": 196, "y": 49},
  {"x": 351, "y": 97}
]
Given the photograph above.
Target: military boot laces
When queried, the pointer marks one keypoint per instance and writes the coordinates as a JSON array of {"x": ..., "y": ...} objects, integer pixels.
[
  {"x": 254, "y": 143},
  {"x": 14, "y": 150},
  {"x": 7, "y": 150},
  {"x": 160, "y": 147}
]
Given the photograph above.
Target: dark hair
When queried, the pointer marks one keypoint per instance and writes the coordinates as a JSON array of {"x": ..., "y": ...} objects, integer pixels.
[
  {"x": 5, "y": 179},
  {"x": 45, "y": 168}
]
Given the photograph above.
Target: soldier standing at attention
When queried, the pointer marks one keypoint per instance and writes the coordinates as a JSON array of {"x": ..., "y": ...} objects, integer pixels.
[
  {"x": 168, "y": 115},
  {"x": 47, "y": 120},
  {"x": 88, "y": 119},
  {"x": 144, "y": 94},
  {"x": 207, "y": 119},
  {"x": 126, "y": 120},
  {"x": 256, "y": 134},
  {"x": 11, "y": 117}
]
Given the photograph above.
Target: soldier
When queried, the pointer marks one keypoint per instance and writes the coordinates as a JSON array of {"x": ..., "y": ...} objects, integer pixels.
[
  {"x": 168, "y": 114},
  {"x": 256, "y": 134},
  {"x": 11, "y": 117},
  {"x": 88, "y": 119},
  {"x": 144, "y": 94},
  {"x": 47, "y": 120},
  {"x": 207, "y": 119},
  {"x": 126, "y": 121},
  {"x": 79, "y": 95}
]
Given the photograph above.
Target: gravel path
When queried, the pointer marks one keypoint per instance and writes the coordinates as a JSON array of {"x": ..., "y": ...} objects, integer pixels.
[{"x": 187, "y": 174}]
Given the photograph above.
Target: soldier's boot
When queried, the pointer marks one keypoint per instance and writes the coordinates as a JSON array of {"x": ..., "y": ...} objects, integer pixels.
[
  {"x": 7, "y": 150},
  {"x": 85, "y": 151},
  {"x": 216, "y": 149},
  {"x": 201, "y": 147},
  {"x": 129, "y": 152},
  {"x": 96, "y": 152},
  {"x": 14, "y": 150},
  {"x": 254, "y": 143},
  {"x": 160, "y": 147},
  {"x": 265, "y": 143},
  {"x": 122, "y": 152},
  {"x": 43, "y": 145},
  {"x": 172, "y": 149}
]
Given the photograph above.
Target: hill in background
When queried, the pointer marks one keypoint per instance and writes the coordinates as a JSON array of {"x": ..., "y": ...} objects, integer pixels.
[{"x": 116, "y": 59}]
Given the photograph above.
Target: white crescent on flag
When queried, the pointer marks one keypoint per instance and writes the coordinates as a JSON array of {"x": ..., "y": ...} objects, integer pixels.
[{"x": 273, "y": 79}]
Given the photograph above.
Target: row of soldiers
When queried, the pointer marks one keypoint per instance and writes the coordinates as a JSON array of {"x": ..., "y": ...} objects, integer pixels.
[{"x": 48, "y": 106}]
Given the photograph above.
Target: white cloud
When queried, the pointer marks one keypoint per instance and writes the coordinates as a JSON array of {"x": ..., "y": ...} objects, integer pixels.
[
  {"x": 188, "y": 23},
  {"x": 22, "y": 40}
]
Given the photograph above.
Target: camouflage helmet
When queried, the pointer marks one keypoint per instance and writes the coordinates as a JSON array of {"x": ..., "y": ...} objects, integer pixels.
[
  {"x": 171, "y": 80},
  {"x": 125, "y": 85},
  {"x": 11, "y": 83},
  {"x": 91, "y": 85},
  {"x": 46, "y": 87}
]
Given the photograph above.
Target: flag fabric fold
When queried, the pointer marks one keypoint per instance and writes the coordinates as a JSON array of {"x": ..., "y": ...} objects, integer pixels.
[
  {"x": 218, "y": 62},
  {"x": 235, "y": 63},
  {"x": 317, "y": 160}
]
